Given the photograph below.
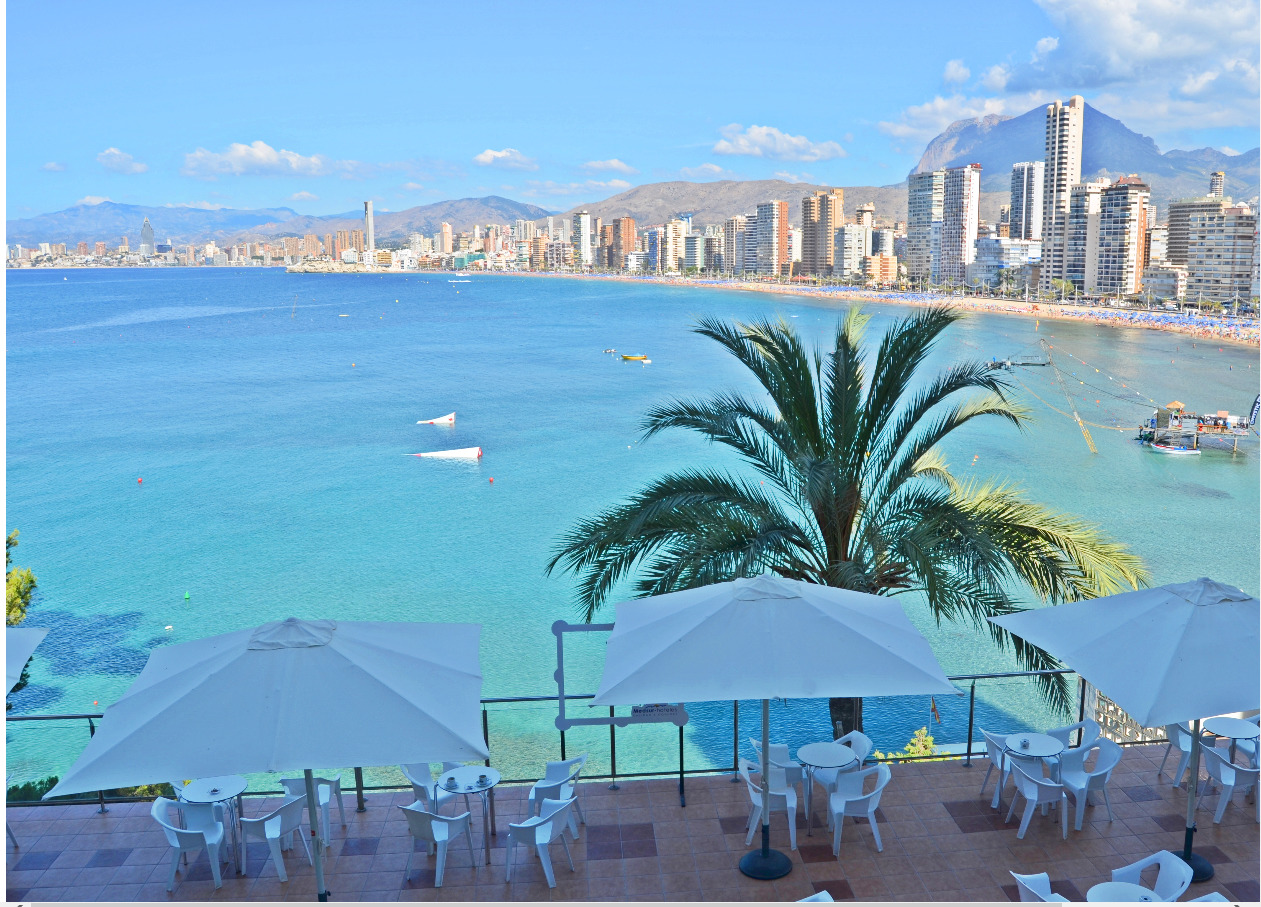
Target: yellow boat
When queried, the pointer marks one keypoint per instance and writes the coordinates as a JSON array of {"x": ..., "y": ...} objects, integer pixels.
[{"x": 635, "y": 358}]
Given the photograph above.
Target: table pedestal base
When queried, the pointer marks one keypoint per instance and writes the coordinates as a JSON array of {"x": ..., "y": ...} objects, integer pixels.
[{"x": 771, "y": 865}]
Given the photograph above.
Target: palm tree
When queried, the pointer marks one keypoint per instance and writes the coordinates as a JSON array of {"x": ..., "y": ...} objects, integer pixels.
[{"x": 852, "y": 491}]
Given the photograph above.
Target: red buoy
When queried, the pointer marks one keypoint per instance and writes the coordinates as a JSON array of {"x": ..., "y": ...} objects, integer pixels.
[
  {"x": 139, "y": 481},
  {"x": 492, "y": 480}
]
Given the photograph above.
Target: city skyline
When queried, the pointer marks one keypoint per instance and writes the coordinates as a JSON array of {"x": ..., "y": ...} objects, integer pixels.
[{"x": 512, "y": 103}]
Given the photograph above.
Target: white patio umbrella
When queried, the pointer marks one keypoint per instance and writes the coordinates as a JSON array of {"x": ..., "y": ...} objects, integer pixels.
[
  {"x": 765, "y": 638},
  {"x": 292, "y": 693},
  {"x": 19, "y": 643},
  {"x": 1168, "y": 655}
]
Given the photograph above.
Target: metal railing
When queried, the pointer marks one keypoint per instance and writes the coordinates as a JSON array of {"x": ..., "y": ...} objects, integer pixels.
[{"x": 560, "y": 744}]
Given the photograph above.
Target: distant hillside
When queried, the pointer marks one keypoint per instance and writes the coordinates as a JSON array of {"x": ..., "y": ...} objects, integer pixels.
[
  {"x": 712, "y": 203},
  {"x": 110, "y": 221},
  {"x": 1109, "y": 149}
]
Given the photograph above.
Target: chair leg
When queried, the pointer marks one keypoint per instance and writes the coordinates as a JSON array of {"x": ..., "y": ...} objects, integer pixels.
[
  {"x": 986, "y": 779},
  {"x": 212, "y": 851},
  {"x": 1031, "y": 807},
  {"x": 875, "y": 831},
  {"x": 1222, "y": 799},
  {"x": 755, "y": 819},
  {"x": 1160, "y": 770},
  {"x": 1183, "y": 763},
  {"x": 468, "y": 839},
  {"x": 792, "y": 825},
  {"x": 1012, "y": 811},
  {"x": 1107, "y": 801},
  {"x": 568, "y": 855},
  {"x": 578, "y": 810},
  {"x": 341, "y": 807},
  {"x": 1080, "y": 799},
  {"x": 838, "y": 820},
  {"x": 175, "y": 865},
  {"x": 508, "y": 859},
  {"x": 278, "y": 858},
  {"x": 441, "y": 865},
  {"x": 407, "y": 870},
  {"x": 9, "y": 831},
  {"x": 1063, "y": 806},
  {"x": 546, "y": 860},
  {"x": 244, "y": 861}
]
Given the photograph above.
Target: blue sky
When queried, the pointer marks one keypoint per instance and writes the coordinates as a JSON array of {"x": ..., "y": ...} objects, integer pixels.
[{"x": 318, "y": 106}]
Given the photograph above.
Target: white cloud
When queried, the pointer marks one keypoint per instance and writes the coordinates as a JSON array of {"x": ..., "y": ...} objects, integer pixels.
[
  {"x": 413, "y": 187},
  {"x": 792, "y": 177},
  {"x": 769, "y": 142},
  {"x": 1196, "y": 84},
  {"x": 1044, "y": 47},
  {"x": 53, "y": 167},
  {"x": 924, "y": 122},
  {"x": 550, "y": 189},
  {"x": 704, "y": 171},
  {"x": 1226, "y": 149},
  {"x": 611, "y": 164},
  {"x": 203, "y": 206},
  {"x": 995, "y": 78},
  {"x": 258, "y": 158},
  {"x": 508, "y": 159},
  {"x": 120, "y": 162},
  {"x": 956, "y": 72},
  {"x": 303, "y": 196},
  {"x": 93, "y": 200}
]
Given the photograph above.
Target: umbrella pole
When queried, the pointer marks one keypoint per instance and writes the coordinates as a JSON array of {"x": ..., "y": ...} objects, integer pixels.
[
  {"x": 1201, "y": 869},
  {"x": 317, "y": 854},
  {"x": 766, "y": 863}
]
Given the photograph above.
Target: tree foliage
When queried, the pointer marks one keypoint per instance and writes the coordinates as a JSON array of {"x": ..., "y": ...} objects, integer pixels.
[{"x": 20, "y": 584}]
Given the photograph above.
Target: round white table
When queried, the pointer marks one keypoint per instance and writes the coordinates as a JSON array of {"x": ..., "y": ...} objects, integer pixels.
[
  {"x": 225, "y": 789},
  {"x": 474, "y": 779},
  {"x": 821, "y": 755},
  {"x": 1119, "y": 891},
  {"x": 1027, "y": 746},
  {"x": 1234, "y": 728}
]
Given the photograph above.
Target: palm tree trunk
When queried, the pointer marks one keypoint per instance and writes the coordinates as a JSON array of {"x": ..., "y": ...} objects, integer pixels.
[{"x": 846, "y": 714}]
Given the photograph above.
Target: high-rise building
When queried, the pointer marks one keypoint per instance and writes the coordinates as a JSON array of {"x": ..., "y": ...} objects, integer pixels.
[
  {"x": 448, "y": 240},
  {"x": 772, "y": 237},
  {"x": 100, "y": 249},
  {"x": 1217, "y": 184},
  {"x": 882, "y": 242},
  {"x": 853, "y": 246},
  {"x": 960, "y": 213},
  {"x": 356, "y": 242},
  {"x": 731, "y": 256},
  {"x": 341, "y": 244},
  {"x": 624, "y": 241},
  {"x": 1026, "y": 200},
  {"x": 1221, "y": 249},
  {"x": 1081, "y": 239},
  {"x": 997, "y": 254},
  {"x": 82, "y": 249},
  {"x": 368, "y": 226},
  {"x": 146, "y": 238},
  {"x": 311, "y": 246},
  {"x": 328, "y": 244},
  {"x": 713, "y": 253},
  {"x": 865, "y": 216},
  {"x": 582, "y": 239},
  {"x": 924, "y": 200},
  {"x": 821, "y": 214},
  {"x": 1179, "y": 223},
  {"x": 1062, "y": 173},
  {"x": 1123, "y": 209},
  {"x": 694, "y": 252}
]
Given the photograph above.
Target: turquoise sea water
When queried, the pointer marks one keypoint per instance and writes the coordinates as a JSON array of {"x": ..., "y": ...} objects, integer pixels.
[{"x": 272, "y": 434}]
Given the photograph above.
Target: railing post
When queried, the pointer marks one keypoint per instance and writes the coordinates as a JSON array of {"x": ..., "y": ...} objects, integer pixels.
[
  {"x": 491, "y": 796},
  {"x": 682, "y": 797},
  {"x": 613, "y": 751},
  {"x": 100, "y": 794},
  {"x": 967, "y": 762},
  {"x": 1081, "y": 707},
  {"x": 735, "y": 741},
  {"x": 362, "y": 807},
  {"x": 562, "y": 746}
]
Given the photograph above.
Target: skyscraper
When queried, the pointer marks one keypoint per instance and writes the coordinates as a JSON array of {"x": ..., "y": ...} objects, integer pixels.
[
  {"x": 865, "y": 216},
  {"x": 732, "y": 245},
  {"x": 623, "y": 241},
  {"x": 146, "y": 238},
  {"x": 960, "y": 213},
  {"x": 1081, "y": 237},
  {"x": 1026, "y": 200},
  {"x": 448, "y": 241},
  {"x": 1123, "y": 211},
  {"x": 582, "y": 239},
  {"x": 821, "y": 214},
  {"x": 1217, "y": 184},
  {"x": 368, "y": 227},
  {"x": 1062, "y": 173},
  {"x": 1180, "y": 214},
  {"x": 1221, "y": 253},
  {"x": 924, "y": 200},
  {"x": 772, "y": 237}
]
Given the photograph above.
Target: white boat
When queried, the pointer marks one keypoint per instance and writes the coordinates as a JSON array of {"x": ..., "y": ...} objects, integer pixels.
[
  {"x": 448, "y": 419},
  {"x": 1177, "y": 451},
  {"x": 463, "y": 453}
]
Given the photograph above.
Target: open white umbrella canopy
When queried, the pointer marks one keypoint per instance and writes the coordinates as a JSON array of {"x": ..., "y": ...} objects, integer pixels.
[
  {"x": 1165, "y": 655},
  {"x": 765, "y": 638},
  {"x": 1168, "y": 655},
  {"x": 19, "y": 643}
]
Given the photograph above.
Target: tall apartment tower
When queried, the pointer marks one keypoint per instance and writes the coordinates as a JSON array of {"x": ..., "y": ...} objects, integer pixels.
[
  {"x": 1217, "y": 184},
  {"x": 772, "y": 237},
  {"x": 1081, "y": 239},
  {"x": 1221, "y": 259},
  {"x": 582, "y": 239},
  {"x": 732, "y": 244},
  {"x": 1123, "y": 213},
  {"x": 448, "y": 240},
  {"x": 1027, "y": 179},
  {"x": 1181, "y": 213},
  {"x": 865, "y": 216},
  {"x": 1063, "y": 172},
  {"x": 624, "y": 238},
  {"x": 924, "y": 200},
  {"x": 821, "y": 214},
  {"x": 960, "y": 214},
  {"x": 146, "y": 238},
  {"x": 368, "y": 227}
]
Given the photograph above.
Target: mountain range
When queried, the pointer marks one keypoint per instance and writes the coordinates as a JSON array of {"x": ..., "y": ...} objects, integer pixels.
[{"x": 1109, "y": 149}]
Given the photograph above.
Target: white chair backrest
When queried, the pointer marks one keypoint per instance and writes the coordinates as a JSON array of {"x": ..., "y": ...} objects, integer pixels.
[
  {"x": 290, "y": 814},
  {"x": 1110, "y": 754},
  {"x": 849, "y": 785},
  {"x": 1089, "y": 728},
  {"x": 555, "y": 816},
  {"x": 160, "y": 814},
  {"x": 859, "y": 742},
  {"x": 1173, "y": 878},
  {"x": 994, "y": 747},
  {"x": 563, "y": 771},
  {"x": 1179, "y": 735},
  {"x": 422, "y": 823},
  {"x": 1035, "y": 887},
  {"x": 1031, "y": 787}
]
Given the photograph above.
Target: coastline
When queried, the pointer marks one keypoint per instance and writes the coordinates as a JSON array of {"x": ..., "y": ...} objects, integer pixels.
[{"x": 1241, "y": 332}]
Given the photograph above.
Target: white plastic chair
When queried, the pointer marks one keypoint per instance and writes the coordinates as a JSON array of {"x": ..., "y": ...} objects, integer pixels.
[
  {"x": 437, "y": 832},
  {"x": 849, "y": 800},
  {"x": 1036, "y": 887},
  {"x": 862, "y": 746},
  {"x": 784, "y": 771},
  {"x": 1179, "y": 735},
  {"x": 784, "y": 799},
  {"x": 1248, "y": 747},
  {"x": 995, "y": 749},
  {"x": 538, "y": 832},
  {"x": 325, "y": 789},
  {"x": 1172, "y": 878},
  {"x": 560, "y": 782},
  {"x": 1037, "y": 792},
  {"x": 420, "y": 776},
  {"x": 819, "y": 896},
  {"x": 277, "y": 828},
  {"x": 203, "y": 831},
  {"x": 1211, "y": 896},
  {"x": 1227, "y": 776},
  {"x": 1090, "y": 732},
  {"x": 1078, "y": 782}
]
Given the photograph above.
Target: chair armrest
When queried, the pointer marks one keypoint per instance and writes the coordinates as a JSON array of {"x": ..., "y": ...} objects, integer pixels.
[{"x": 1132, "y": 872}]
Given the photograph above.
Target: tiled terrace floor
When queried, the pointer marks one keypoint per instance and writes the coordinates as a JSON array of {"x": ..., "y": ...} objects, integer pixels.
[{"x": 941, "y": 842}]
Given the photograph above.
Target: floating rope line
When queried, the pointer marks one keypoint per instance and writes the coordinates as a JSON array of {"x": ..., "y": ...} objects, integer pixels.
[{"x": 1068, "y": 414}]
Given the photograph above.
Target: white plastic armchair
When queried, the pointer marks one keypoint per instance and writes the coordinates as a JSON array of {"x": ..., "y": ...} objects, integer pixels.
[
  {"x": 1227, "y": 776},
  {"x": 784, "y": 771},
  {"x": 1090, "y": 732},
  {"x": 560, "y": 782},
  {"x": 1037, "y": 792},
  {"x": 277, "y": 828},
  {"x": 1179, "y": 735},
  {"x": 202, "y": 831},
  {"x": 996, "y": 749},
  {"x": 1078, "y": 782},
  {"x": 437, "y": 832},
  {"x": 861, "y": 745},
  {"x": 538, "y": 832},
  {"x": 420, "y": 776},
  {"x": 1036, "y": 887},
  {"x": 782, "y": 800},
  {"x": 325, "y": 788},
  {"x": 849, "y": 800},
  {"x": 1172, "y": 878},
  {"x": 1249, "y": 747}
]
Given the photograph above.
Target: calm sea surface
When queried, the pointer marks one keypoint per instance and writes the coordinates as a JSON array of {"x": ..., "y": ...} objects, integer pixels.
[{"x": 270, "y": 415}]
